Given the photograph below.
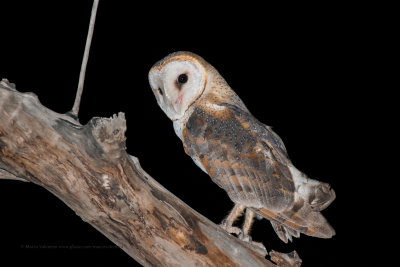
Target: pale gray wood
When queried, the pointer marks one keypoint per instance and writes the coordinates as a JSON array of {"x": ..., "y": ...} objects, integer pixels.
[
  {"x": 87, "y": 167},
  {"x": 7, "y": 175}
]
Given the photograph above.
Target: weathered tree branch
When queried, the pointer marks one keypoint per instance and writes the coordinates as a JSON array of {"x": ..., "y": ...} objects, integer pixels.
[
  {"x": 7, "y": 175},
  {"x": 88, "y": 169}
]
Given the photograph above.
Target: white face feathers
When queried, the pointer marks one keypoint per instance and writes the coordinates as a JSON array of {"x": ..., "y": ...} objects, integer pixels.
[{"x": 177, "y": 81}]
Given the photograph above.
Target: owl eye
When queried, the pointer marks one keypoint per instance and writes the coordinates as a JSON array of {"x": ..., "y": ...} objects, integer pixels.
[{"x": 183, "y": 78}]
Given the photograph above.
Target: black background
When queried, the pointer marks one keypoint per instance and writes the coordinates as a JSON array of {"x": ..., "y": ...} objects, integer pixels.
[{"x": 298, "y": 69}]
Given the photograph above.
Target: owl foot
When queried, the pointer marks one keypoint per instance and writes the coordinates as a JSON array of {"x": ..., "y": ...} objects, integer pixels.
[
  {"x": 248, "y": 239},
  {"x": 233, "y": 215},
  {"x": 230, "y": 229}
]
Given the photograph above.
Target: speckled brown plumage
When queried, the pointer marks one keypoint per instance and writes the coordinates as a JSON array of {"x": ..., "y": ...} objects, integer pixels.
[{"x": 249, "y": 161}]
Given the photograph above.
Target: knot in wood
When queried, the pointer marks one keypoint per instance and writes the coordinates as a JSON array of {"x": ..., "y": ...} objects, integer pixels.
[{"x": 110, "y": 133}]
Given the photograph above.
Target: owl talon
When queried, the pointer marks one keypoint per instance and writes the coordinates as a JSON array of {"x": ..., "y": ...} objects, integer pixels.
[
  {"x": 248, "y": 239},
  {"x": 230, "y": 229},
  {"x": 245, "y": 237}
]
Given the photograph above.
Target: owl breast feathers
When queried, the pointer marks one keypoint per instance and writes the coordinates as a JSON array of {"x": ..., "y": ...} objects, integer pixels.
[{"x": 248, "y": 160}]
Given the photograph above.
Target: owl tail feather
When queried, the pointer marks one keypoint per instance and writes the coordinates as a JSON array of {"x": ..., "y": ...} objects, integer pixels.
[
  {"x": 287, "y": 224},
  {"x": 284, "y": 233}
]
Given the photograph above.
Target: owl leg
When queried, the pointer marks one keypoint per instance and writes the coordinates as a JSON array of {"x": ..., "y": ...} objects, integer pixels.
[
  {"x": 248, "y": 222},
  {"x": 245, "y": 234},
  {"x": 233, "y": 215}
]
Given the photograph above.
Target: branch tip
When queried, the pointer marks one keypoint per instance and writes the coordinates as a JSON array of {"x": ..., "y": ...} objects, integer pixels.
[{"x": 286, "y": 259}]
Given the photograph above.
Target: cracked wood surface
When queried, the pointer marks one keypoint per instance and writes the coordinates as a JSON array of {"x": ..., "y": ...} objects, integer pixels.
[{"x": 87, "y": 167}]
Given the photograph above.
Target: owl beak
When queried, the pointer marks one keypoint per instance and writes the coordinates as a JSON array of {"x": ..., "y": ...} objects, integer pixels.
[
  {"x": 177, "y": 109},
  {"x": 178, "y": 101}
]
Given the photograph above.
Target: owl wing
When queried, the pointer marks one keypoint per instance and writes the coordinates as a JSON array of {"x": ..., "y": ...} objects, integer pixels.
[
  {"x": 249, "y": 161},
  {"x": 241, "y": 155}
]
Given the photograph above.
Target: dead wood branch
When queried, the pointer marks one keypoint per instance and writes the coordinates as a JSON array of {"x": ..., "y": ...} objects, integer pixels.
[
  {"x": 88, "y": 169},
  {"x": 7, "y": 175}
]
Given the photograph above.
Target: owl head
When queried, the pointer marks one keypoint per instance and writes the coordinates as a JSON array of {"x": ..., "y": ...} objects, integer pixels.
[{"x": 177, "y": 81}]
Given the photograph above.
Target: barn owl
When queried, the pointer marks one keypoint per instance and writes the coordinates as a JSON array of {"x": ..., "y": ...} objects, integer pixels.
[{"x": 240, "y": 154}]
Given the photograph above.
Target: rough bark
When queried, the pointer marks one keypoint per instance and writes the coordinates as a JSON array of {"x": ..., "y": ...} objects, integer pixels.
[{"x": 86, "y": 166}]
